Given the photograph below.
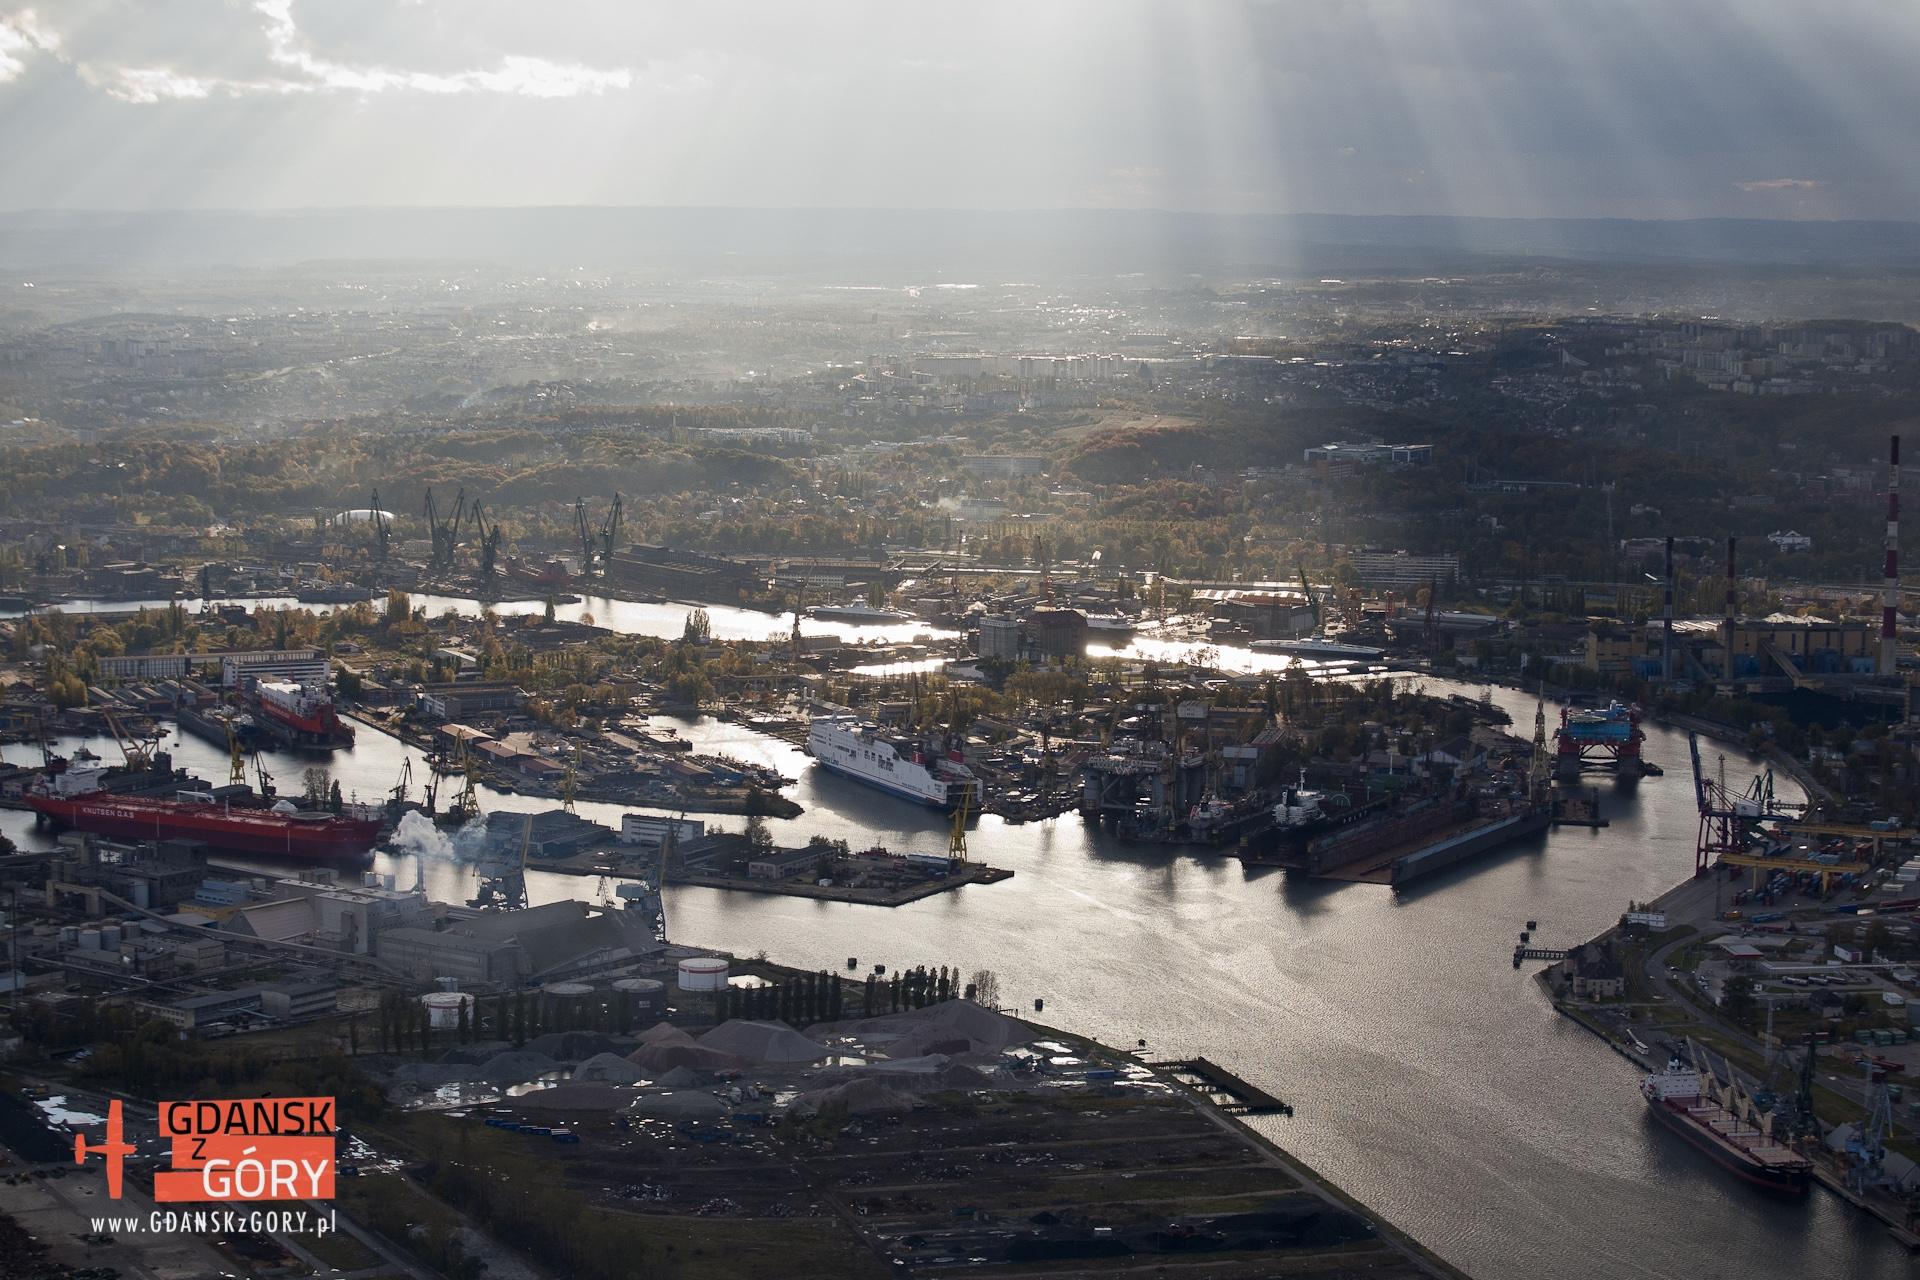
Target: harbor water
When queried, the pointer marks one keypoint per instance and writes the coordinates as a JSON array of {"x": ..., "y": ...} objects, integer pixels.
[{"x": 1429, "y": 1078}]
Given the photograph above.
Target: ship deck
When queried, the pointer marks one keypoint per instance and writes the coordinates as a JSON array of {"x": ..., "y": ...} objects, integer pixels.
[{"x": 1745, "y": 1138}]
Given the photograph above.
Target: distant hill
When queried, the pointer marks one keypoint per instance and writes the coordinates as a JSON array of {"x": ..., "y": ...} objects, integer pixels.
[{"x": 750, "y": 241}]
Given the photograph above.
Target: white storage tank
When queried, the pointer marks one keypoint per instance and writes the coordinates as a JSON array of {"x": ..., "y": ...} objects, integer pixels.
[
  {"x": 89, "y": 939},
  {"x": 443, "y": 1009},
  {"x": 568, "y": 990},
  {"x": 703, "y": 973}
]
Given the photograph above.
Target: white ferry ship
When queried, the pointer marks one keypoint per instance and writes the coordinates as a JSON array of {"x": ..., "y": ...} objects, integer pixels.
[
  {"x": 900, "y": 766},
  {"x": 860, "y": 614},
  {"x": 1320, "y": 650}
]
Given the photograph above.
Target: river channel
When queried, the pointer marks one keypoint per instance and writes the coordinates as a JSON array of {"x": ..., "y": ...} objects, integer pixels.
[{"x": 1429, "y": 1078}]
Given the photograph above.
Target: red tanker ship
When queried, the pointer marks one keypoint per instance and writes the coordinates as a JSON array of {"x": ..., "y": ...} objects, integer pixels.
[{"x": 74, "y": 798}]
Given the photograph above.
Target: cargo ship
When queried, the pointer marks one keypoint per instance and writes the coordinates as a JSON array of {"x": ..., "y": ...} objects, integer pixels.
[
  {"x": 219, "y": 725},
  {"x": 302, "y": 713},
  {"x": 860, "y": 615},
  {"x": 1723, "y": 1123},
  {"x": 76, "y": 797},
  {"x": 549, "y": 573},
  {"x": 1318, "y": 650},
  {"x": 899, "y": 766}
]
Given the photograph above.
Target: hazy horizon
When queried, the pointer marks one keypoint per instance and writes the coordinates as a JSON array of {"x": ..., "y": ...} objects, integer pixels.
[{"x": 1492, "y": 108}]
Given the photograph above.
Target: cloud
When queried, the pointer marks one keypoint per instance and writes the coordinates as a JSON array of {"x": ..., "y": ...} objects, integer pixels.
[
  {"x": 1781, "y": 184},
  {"x": 283, "y": 62},
  {"x": 21, "y": 34}
]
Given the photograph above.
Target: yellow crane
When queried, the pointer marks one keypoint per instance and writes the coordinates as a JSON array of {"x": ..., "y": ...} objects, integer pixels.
[
  {"x": 236, "y": 763},
  {"x": 957, "y": 840}
]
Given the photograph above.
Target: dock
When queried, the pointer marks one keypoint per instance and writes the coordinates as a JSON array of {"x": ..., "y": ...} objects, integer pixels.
[
  {"x": 1214, "y": 1080},
  {"x": 646, "y": 866}
]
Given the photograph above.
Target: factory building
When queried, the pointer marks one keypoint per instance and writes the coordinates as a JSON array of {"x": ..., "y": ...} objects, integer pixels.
[{"x": 1779, "y": 646}]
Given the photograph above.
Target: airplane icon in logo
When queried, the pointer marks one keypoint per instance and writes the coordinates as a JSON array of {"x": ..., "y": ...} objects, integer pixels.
[{"x": 116, "y": 1149}]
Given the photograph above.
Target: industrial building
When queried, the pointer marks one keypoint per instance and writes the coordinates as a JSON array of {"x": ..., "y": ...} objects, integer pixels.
[
  {"x": 456, "y": 701},
  {"x": 513, "y": 948},
  {"x": 1777, "y": 647}
]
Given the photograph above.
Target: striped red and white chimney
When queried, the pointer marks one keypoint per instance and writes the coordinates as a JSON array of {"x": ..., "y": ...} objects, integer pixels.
[{"x": 1890, "y": 598}]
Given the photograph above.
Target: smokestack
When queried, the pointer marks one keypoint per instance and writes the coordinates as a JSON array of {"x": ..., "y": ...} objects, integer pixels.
[
  {"x": 1890, "y": 599},
  {"x": 1733, "y": 591},
  {"x": 1666, "y": 620}
]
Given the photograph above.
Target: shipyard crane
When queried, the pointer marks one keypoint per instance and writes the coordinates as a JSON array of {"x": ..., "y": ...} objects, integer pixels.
[
  {"x": 265, "y": 784},
  {"x": 236, "y": 762},
  {"x": 610, "y": 527},
  {"x": 957, "y": 838},
  {"x": 137, "y": 750},
  {"x": 489, "y": 535},
  {"x": 1313, "y": 601},
  {"x": 1866, "y": 1145},
  {"x": 382, "y": 531},
  {"x": 586, "y": 537},
  {"x": 1729, "y": 823},
  {"x": 466, "y": 805},
  {"x": 444, "y": 533}
]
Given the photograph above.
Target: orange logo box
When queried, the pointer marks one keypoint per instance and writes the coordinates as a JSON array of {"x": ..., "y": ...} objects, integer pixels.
[{"x": 248, "y": 1149}]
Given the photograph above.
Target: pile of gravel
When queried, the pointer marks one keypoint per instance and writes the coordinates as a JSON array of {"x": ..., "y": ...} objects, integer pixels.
[
  {"x": 575, "y": 1046},
  {"x": 607, "y": 1068},
  {"x": 516, "y": 1066}
]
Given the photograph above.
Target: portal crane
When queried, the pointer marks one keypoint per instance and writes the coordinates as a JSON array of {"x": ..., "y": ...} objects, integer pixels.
[
  {"x": 587, "y": 550},
  {"x": 489, "y": 535},
  {"x": 610, "y": 531},
  {"x": 445, "y": 533}
]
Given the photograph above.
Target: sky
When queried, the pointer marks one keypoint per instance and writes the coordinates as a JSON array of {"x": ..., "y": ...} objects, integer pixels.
[{"x": 1538, "y": 108}]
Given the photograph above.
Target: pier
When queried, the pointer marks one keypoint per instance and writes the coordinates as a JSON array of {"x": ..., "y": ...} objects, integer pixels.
[{"x": 1216, "y": 1081}]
